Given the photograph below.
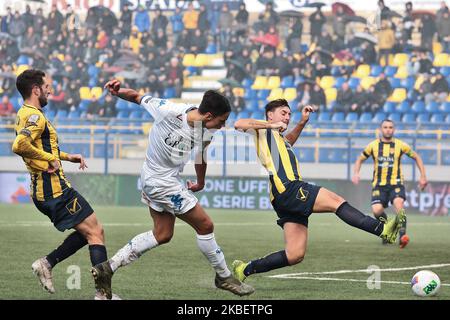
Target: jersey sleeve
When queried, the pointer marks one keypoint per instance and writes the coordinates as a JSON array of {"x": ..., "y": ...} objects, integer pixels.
[
  {"x": 406, "y": 149},
  {"x": 28, "y": 130},
  {"x": 367, "y": 152},
  {"x": 161, "y": 108}
]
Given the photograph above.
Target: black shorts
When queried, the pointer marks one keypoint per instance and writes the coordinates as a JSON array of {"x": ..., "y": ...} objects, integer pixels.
[
  {"x": 387, "y": 194},
  {"x": 296, "y": 203},
  {"x": 67, "y": 210}
]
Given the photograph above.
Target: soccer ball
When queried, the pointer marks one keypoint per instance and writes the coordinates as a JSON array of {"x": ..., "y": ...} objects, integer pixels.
[{"x": 425, "y": 283}]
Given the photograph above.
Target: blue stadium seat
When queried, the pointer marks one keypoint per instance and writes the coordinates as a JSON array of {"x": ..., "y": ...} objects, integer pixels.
[
  {"x": 50, "y": 114},
  {"x": 379, "y": 116},
  {"x": 250, "y": 94},
  {"x": 73, "y": 114},
  {"x": 263, "y": 94},
  {"x": 304, "y": 154},
  {"x": 332, "y": 155},
  {"x": 409, "y": 118},
  {"x": 211, "y": 48},
  {"x": 338, "y": 116},
  {"x": 298, "y": 80},
  {"x": 445, "y": 71},
  {"x": 257, "y": 115},
  {"x": 390, "y": 71},
  {"x": 243, "y": 114},
  {"x": 23, "y": 59},
  {"x": 437, "y": 118},
  {"x": 287, "y": 82},
  {"x": 365, "y": 117},
  {"x": 445, "y": 107},
  {"x": 324, "y": 116},
  {"x": 169, "y": 93},
  {"x": 429, "y": 156},
  {"x": 231, "y": 118},
  {"x": 253, "y": 105},
  {"x": 247, "y": 83},
  {"x": 395, "y": 82},
  {"x": 375, "y": 70},
  {"x": 351, "y": 117},
  {"x": 418, "y": 107},
  {"x": 296, "y": 117},
  {"x": 423, "y": 118},
  {"x": 389, "y": 106},
  {"x": 408, "y": 83},
  {"x": 5, "y": 149},
  {"x": 61, "y": 114},
  {"x": 147, "y": 116},
  {"x": 338, "y": 82},
  {"x": 93, "y": 71},
  {"x": 135, "y": 114},
  {"x": 121, "y": 105},
  {"x": 123, "y": 114},
  {"x": 335, "y": 71},
  {"x": 304, "y": 47},
  {"x": 403, "y": 107},
  {"x": 445, "y": 157},
  {"x": 432, "y": 107},
  {"x": 313, "y": 116},
  {"x": 396, "y": 117},
  {"x": 353, "y": 83}
]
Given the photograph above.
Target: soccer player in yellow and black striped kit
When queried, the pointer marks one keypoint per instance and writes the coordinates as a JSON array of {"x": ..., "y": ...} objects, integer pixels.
[
  {"x": 387, "y": 183},
  {"x": 37, "y": 143},
  {"x": 293, "y": 199}
]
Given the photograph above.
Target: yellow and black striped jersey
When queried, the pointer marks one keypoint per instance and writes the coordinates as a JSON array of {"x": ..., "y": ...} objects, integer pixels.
[
  {"x": 276, "y": 155},
  {"x": 387, "y": 157},
  {"x": 37, "y": 143}
]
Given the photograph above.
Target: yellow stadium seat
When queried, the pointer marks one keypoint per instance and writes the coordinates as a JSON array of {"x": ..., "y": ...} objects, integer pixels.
[
  {"x": 402, "y": 72},
  {"x": 441, "y": 60},
  {"x": 400, "y": 59},
  {"x": 420, "y": 79},
  {"x": 276, "y": 93},
  {"x": 260, "y": 83},
  {"x": 367, "y": 82},
  {"x": 331, "y": 94},
  {"x": 437, "y": 48},
  {"x": 188, "y": 60},
  {"x": 85, "y": 93},
  {"x": 97, "y": 92},
  {"x": 238, "y": 92},
  {"x": 362, "y": 71},
  {"x": 337, "y": 62},
  {"x": 398, "y": 95},
  {"x": 273, "y": 82},
  {"x": 60, "y": 56},
  {"x": 390, "y": 62},
  {"x": 290, "y": 94},
  {"x": 21, "y": 68},
  {"x": 326, "y": 82},
  {"x": 201, "y": 60},
  {"x": 448, "y": 98}
]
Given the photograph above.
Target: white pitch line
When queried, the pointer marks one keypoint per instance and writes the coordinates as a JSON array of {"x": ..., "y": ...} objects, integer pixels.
[
  {"x": 357, "y": 280},
  {"x": 293, "y": 275},
  {"x": 122, "y": 224}
]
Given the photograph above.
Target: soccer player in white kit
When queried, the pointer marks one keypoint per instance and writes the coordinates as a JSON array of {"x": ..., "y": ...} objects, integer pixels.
[{"x": 177, "y": 130}]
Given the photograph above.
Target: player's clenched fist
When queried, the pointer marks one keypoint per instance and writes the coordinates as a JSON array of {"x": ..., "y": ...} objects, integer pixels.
[{"x": 113, "y": 87}]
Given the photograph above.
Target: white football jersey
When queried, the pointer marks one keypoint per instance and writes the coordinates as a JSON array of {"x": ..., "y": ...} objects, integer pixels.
[{"x": 171, "y": 139}]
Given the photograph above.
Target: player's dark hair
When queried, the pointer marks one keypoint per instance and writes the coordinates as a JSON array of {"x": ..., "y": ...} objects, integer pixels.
[
  {"x": 215, "y": 103},
  {"x": 272, "y": 105},
  {"x": 27, "y": 80},
  {"x": 386, "y": 120}
]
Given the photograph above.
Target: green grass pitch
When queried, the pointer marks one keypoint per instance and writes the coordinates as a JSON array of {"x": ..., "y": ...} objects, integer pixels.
[{"x": 179, "y": 271}]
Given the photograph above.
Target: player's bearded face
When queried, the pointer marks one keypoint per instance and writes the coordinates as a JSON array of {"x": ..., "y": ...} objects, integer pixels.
[
  {"x": 281, "y": 114},
  {"x": 387, "y": 131},
  {"x": 42, "y": 97}
]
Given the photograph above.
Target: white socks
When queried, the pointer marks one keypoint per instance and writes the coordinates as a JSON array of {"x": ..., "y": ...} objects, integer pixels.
[
  {"x": 133, "y": 250},
  {"x": 208, "y": 246}
]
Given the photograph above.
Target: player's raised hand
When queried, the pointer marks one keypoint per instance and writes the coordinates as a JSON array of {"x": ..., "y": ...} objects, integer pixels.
[
  {"x": 423, "y": 183},
  {"x": 355, "y": 179},
  {"x": 194, "y": 187},
  {"x": 113, "y": 87},
  {"x": 78, "y": 158},
  {"x": 53, "y": 166},
  {"x": 280, "y": 126},
  {"x": 307, "y": 110}
]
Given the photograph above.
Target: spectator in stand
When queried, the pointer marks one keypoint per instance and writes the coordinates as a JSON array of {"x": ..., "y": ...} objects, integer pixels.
[
  {"x": 375, "y": 100},
  {"x": 344, "y": 99},
  {"x": 265, "y": 65},
  {"x": 439, "y": 89},
  {"x": 317, "y": 21},
  {"x": 126, "y": 19},
  {"x": 108, "y": 108},
  {"x": 177, "y": 25},
  {"x": 27, "y": 17},
  {"x": 425, "y": 89},
  {"x": 72, "y": 96},
  {"x": 237, "y": 103},
  {"x": 423, "y": 63},
  {"x": 160, "y": 39},
  {"x": 203, "y": 21},
  {"x": 383, "y": 88},
  {"x": 318, "y": 97},
  {"x": 368, "y": 53},
  {"x": 55, "y": 20},
  {"x": 443, "y": 30},
  {"x": 102, "y": 40},
  {"x": 226, "y": 20},
  {"x": 160, "y": 22},
  {"x": 135, "y": 40},
  {"x": 174, "y": 75},
  {"x": 427, "y": 31},
  {"x": 294, "y": 39},
  {"x": 386, "y": 41},
  {"x": 408, "y": 23},
  {"x": 198, "y": 42},
  {"x": 269, "y": 17},
  {"x": 93, "y": 110},
  {"x": 6, "y": 20},
  {"x": 17, "y": 28},
  {"x": 57, "y": 98},
  {"x": 339, "y": 23},
  {"x": 190, "y": 19},
  {"x": 6, "y": 107},
  {"x": 242, "y": 20},
  {"x": 304, "y": 94},
  {"x": 360, "y": 101},
  {"x": 325, "y": 42},
  {"x": 142, "y": 20}
]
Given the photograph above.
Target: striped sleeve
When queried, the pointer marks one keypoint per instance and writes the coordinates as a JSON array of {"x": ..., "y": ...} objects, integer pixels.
[{"x": 367, "y": 152}]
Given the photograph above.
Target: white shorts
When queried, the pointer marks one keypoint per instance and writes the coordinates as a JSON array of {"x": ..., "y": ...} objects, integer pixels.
[{"x": 172, "y": 197}]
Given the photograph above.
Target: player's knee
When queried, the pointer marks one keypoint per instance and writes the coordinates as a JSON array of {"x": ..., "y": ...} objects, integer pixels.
[
  {"x": 163, "y": 237},
  {"x": 295, "y": 257},
  {"x": 338, "y": 201},
  {"x": 206, "y": 227}
]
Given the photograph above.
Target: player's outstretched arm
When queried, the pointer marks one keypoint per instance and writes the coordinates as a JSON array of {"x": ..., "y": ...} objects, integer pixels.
[
  {"x": 423, "y": 178},
  {"x": 114, "y": 88},
  {"x": 200, "y": 169},
  {"x": 252, "y": 124},
  {"x": 75, "y": 158},
  {"x": 356, "y": 169},
  {"x": 293, "y": 136}
]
